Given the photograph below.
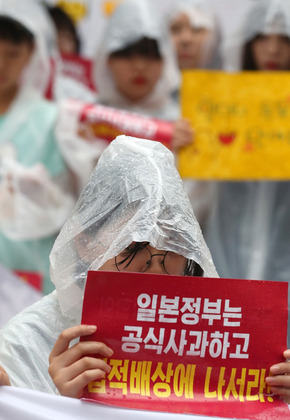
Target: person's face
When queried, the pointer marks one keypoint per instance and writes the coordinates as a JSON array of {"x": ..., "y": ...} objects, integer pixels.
[
  {"x": 66, "y": 42},
  {"x": 188, "y": 42},
  {"x": 135, "y": 77},
  {"x": 13, "y": 59},
  {"x": 146, "y": 259},
  {"x": 271, "y": 52}
]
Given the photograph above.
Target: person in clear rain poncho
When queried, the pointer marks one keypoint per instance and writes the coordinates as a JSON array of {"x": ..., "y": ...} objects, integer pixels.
[
  {"x": 248, "y": 231},
  {"x": 34, "y": 202},
  {"x": 136, "y": 71},
  {"x": 133, "y": 200},
  {"x": 134, "y": 195}
]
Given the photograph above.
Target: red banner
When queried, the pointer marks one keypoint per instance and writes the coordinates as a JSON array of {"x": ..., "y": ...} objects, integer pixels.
[
  {"x": 107, "y": 123},
  {"x": 188, "y": 344}
]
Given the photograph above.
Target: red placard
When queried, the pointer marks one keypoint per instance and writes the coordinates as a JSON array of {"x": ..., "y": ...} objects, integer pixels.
[
  {"x": 78, "y": 68},
  {"x": 188, "y": 344},
  {"x": 107, "y": 123}
]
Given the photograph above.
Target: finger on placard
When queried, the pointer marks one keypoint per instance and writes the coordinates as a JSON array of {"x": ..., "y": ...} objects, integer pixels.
[
  {"x": 280, "y": 368},
  {"x": 281, "y": 392},
  {"x": 63, "y": 341},
  {"x": 279, "y": 380},
  {"x": 82, "y": 349},
  {"x": 77, "y": 385},
  {"x": 81, "y": 366}
]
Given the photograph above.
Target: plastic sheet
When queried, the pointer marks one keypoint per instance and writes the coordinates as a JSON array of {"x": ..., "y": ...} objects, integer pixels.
[{"x": 134, "y": 194}]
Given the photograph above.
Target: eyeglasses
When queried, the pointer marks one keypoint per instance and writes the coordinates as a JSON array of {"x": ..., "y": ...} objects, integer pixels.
[{"x": 138, "y": 258}]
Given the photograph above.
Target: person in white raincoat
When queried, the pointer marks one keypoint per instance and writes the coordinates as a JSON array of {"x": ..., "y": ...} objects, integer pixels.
[
  {"x": 136, "y": 71},
  {"x": 33, "y": 177},
  {"x": 132, "y": 22},
  {"x": 196, "y": 38},
  {"x": 248, "y": 231},
  {"x": 134, "y": 195},
  {"x": 268, "y": 22},
  {"x": 195, "y": 34}
]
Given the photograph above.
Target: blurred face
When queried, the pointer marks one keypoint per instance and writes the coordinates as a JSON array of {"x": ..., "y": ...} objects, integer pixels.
[
  {"x": 13, "y": 60},
  {"x": 271, "y": 52},
  {"x": 66, "y": 42},
  {"x": 135, "y": 77},
  {"x": 147, "y": 259},
  {"x": 188, "y": 42}
]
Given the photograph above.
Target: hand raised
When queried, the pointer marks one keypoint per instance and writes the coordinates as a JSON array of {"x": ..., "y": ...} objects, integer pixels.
[{"x": 72, "y": 368}]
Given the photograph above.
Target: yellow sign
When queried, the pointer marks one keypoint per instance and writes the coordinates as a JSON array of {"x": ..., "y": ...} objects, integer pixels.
[
  {"x": 241, "y": 122},
  {"x": 77, "y": 10},
  {"x": 110, "y": 6}
]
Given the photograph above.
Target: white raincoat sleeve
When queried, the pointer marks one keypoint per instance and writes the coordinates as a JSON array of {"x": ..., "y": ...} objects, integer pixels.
[
  {"x": 79, "y": 148},
  {"x": 134, "y": 194},
  {"x": 32, "y": 204}
]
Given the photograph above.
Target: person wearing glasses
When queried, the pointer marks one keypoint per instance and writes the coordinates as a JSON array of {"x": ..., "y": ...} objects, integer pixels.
[{"x": 133, "y": 215}]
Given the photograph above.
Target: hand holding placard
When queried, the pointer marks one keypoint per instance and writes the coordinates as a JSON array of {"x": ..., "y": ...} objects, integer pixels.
[
  {"x": 195, "y": 349},
  {"x": 72, "y": 368}
]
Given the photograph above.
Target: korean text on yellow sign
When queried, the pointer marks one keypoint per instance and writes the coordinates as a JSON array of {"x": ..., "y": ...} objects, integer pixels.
[{"x": 241, "y": 122}]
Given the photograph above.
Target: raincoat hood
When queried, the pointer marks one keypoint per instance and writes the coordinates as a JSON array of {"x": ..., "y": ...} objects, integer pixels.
[
  {"x": 134, "y": 194},
  {"x": 33, "y": 17},
  {"x": 265, "y": 17},
  {"x": 132, "y": 21}
]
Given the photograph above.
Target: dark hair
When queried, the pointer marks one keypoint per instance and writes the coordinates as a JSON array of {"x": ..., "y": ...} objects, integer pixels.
[
  {"x": 15, "y": 32},
  {"x": 146, "y": 47},
  {"x": 191, "y": 269},
  {"x": 63, "y": 22},
  {"x": 248, "y": 60}
]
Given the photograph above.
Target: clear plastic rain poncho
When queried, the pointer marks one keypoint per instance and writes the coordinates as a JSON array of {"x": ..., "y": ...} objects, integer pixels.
[
  {"x": 132, "y": 21},
  {"x": 201, "y": 16},
  {"x": 33, "y": 178},
  {"x": 134, "y": 194},
  {"x": 264, "y": 17},
  {"x": 248, "y": 231}
]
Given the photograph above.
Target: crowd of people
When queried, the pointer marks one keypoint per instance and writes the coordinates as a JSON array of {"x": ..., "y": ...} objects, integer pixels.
[{"x": 134, "y": 197}]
